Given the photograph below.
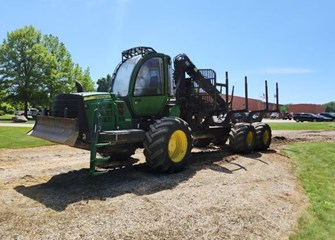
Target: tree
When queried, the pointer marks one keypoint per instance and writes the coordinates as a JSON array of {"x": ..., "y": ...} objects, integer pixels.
[
  {"x": 83, "y": 77},
  {"x": 20, "y": 58},
  {"x": 58, "y": 72},
  {"x": 284, "y": 108},
  {"x": 33, "y": 68},
  {"x": 104, "y": 84},
  {"x": 330, "y": 107},
  {"x": 4, "y": 106}
]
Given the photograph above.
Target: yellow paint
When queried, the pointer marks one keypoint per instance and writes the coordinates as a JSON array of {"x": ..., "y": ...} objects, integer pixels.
[{"x": 178, "y": 145}]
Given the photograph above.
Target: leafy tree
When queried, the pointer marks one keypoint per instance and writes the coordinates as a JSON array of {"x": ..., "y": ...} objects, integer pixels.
[
  {"x": 33, "y": 68},
  {"x": 4, "y": 106},
  {"x": 58, "y": 72},
  {"x": 284, "y": 108},
  {"x": 330, "y": 107},
  {"x": 104, "y": 84},
  {"x": 83, "y": 77},
  {"x": 21, "y": 55}
]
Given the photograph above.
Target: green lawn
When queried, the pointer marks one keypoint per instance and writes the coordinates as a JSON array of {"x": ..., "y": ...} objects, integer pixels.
[
  {"x": 327, "y": 126},
  {"x": 16, "y": 137},
  {"x": 314, "y": 164},
  {"x": 8, "y": 119}
]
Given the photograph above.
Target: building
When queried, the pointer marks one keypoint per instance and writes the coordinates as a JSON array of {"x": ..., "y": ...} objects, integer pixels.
[
  {"x": 306, "y": 108},
  {"x": 253, "y": 104}
]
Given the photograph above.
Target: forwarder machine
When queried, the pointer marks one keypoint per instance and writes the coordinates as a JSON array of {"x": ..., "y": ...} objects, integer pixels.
[{"x": 165, "y": 110}]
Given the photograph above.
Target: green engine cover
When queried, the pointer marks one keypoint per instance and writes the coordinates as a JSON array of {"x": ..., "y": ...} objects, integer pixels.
[{"x": 114, "y": 113}]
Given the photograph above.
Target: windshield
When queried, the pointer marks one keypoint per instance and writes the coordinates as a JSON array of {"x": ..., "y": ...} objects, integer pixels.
[{"x": 122, "y": 78}]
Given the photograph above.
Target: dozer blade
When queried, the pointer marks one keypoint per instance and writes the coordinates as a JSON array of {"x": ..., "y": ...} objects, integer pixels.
[{"x": 56, "y": 129}]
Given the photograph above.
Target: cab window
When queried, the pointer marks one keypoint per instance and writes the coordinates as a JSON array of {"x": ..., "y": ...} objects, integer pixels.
[{"x": 149, "y": 80}]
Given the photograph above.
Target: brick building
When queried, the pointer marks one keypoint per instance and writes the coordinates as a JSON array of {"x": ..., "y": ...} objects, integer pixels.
[
  {"x": 253, "y": 104},
  {"x": 307, "y": 108}
]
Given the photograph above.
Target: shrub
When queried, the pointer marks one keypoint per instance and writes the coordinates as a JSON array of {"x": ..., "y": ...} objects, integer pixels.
[{"x": 6, "y": 108}]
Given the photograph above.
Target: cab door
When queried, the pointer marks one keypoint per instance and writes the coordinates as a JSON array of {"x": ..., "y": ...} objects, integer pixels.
[{"x": 149, "y": 90}]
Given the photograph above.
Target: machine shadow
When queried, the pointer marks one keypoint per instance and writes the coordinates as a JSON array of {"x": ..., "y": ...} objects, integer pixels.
[{"x": 75, "y": 186}]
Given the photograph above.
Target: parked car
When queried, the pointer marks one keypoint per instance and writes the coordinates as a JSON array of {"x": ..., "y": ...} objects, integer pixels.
[
  {"x": 242, "y": 116},
  {"x": 31, "y": 112},
  {"x": 324, "y": 118},
  {"x": 310, "y": 117},
  {"x": 328, "y": 115},
  {"x": 285, "y": 116},
  {"x": 274, "y": 115}
]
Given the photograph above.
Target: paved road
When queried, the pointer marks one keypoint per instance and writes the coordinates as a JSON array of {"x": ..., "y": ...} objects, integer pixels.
[{"x": 276, "y": 120}]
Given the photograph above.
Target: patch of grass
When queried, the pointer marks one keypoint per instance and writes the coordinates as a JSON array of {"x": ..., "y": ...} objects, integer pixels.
[
  {"x": 314, "y": 164},
  {"x": 320, "y": 126},
  {"x": 6, "y": 117},
  {"x": 16, "y": 137}
]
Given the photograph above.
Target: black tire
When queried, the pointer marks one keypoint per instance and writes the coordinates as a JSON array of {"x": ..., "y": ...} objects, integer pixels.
[
  {"x": 168, "y": 145},
  {"x": 263, "y": 136},
  {"x": 242, "y": 138}
]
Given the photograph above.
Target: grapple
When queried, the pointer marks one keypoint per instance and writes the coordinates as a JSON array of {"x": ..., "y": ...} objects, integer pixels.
[{"x": 56, "y": 129}]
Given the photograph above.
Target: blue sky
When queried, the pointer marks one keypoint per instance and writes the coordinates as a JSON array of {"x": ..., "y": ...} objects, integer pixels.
[{"x": 291, "y": 42}]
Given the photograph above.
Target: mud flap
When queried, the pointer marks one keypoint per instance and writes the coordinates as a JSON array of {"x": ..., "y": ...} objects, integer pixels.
[{"x": 56, "y": 129}]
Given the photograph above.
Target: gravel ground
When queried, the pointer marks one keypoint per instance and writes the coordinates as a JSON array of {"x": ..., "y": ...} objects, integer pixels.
[{"x": 46, "y": 193}]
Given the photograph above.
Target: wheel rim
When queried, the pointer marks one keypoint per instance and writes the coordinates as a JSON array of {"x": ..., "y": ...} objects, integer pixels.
[
  {"x": 266, "y": 137},
  {"x": 250, "y": 139},
  {"x": 177, "y": 146}
]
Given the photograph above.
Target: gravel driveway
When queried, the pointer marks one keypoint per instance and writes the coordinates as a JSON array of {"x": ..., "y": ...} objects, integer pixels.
[{"x": 46, "y": 193}]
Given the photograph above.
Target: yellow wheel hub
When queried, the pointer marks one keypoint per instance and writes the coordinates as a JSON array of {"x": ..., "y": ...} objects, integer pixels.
[
  {"x": 250, "y": 138},
  {"x": 266, "y": 137},
  {"x": 177, "y": 147}
]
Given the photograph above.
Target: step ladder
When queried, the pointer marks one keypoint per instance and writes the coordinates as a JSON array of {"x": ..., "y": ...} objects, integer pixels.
[{"x": 95, "y": 145}]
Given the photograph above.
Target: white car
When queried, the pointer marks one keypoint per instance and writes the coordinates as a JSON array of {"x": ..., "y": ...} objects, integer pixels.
[{"x": 31, "y": 113}]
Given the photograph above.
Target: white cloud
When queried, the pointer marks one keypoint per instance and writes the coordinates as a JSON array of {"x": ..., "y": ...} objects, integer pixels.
[{"x": 287, "y": 70}]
